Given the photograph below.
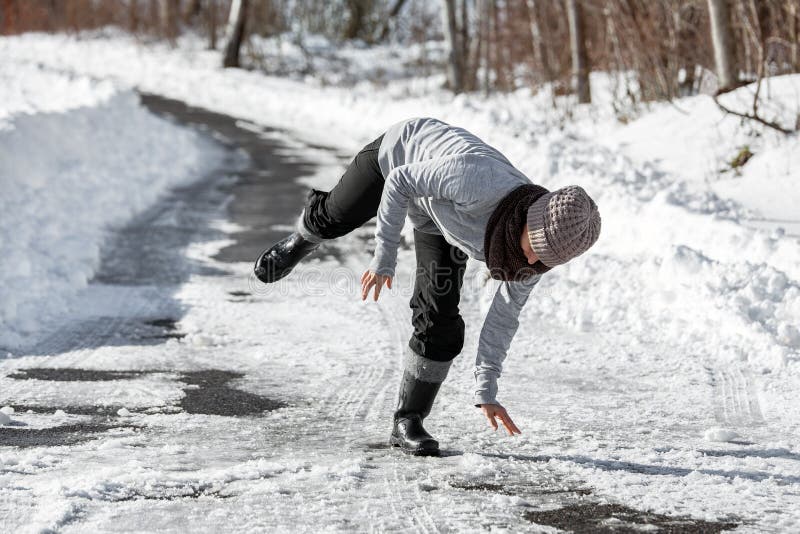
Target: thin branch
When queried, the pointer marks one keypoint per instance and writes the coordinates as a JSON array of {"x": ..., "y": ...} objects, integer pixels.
[{"x": 754, "y": 117}]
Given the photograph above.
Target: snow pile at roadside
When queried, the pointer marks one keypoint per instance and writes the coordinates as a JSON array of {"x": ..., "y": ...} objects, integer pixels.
[
  {"x": 77, "y": 157},
  {"x": 27, "y": 88},
  {"x": 695, "y": 140},
  {"x": 674, "y": 265}
]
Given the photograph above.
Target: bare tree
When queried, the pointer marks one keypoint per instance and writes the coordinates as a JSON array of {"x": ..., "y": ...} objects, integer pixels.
[
  {"x": 794, "y": 36},
  {"x": 393, "y": 12},
  {"x": 10, "y": 15},
  {"x": 454, "y": 51},
  {"x": 211, "y": 22},
  {"x": 476, "y": 45},
  {"x": 537, "y": 40},
  {"x": 580, "y": 60},
  {"x": 192, "y": 11},
  {"x": 486, "y": 41},
  {"x": 168, "y": 19},
  {"x": 722, "y": 37},
  {"x": 133, "y": 16},
  {"x": 467, "y": 73},
  {"x": 235, "y": 33},
  {"x": 358, "y": 10}
]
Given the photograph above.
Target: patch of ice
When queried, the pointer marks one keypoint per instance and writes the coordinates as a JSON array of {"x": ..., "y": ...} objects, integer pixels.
[{"x": 723, "y": 435}]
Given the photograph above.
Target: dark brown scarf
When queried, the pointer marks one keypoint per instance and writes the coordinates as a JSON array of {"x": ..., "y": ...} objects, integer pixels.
[{"x": 501, "y": 245}]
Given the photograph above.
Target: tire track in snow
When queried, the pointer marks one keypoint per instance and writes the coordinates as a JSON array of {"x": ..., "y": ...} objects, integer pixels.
[
  {"x": 735, "y": 399},
  {"x": 370, "y": 403},
  {"x": 373, "y": 404},
  {"x": 376, "y": 400}
]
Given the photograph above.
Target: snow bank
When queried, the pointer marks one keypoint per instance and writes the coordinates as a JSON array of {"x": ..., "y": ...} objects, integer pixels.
[
  {"x": 697, "y": 141},
  {"x": 29, "y": 88},
  {"x": 77, "y": 157}
]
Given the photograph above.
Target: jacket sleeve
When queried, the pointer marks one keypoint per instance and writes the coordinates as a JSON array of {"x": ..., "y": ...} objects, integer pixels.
[
  {"x": 498, "y": 330},
  {"x": 441, "y": 178}
]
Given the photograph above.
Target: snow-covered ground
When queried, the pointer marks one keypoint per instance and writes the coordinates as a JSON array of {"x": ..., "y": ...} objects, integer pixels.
[
  {"x": 77, "y": 157},
  {"x": 658, "y": 372}
]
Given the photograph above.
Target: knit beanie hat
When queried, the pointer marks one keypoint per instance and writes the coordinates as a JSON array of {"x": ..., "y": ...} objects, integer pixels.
[{"x": 562, "y": 225}]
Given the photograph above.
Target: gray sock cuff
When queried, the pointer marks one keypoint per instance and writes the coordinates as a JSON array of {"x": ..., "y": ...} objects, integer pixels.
[
  {"x": 303, "y": 230},
  {"x": 425, "y": 369}
]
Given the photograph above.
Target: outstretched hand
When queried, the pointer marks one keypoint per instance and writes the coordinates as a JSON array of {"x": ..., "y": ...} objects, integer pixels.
[
  {"x": 369, "y": 280},
  {"x": 495, "y": 411}
]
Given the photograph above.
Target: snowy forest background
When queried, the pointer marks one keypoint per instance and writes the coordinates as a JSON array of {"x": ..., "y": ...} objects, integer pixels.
[{"x": 664, "y": 48}]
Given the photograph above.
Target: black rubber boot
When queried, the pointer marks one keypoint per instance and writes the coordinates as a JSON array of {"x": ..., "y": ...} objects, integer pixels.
[
  {"x": 278, "y": 261},
  {"x": 414, "y": 405}
]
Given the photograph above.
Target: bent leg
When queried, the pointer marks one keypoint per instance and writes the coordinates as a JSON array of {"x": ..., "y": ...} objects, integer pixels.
[
  {"x": 438, "y": 338},
  {"x": 438, "y": 326},
  {"x": 350, "y": 204}
]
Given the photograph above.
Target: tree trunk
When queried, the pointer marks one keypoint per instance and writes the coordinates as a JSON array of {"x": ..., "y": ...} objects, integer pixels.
[
  {"x": 393, "y": 12},
  {"x": 487, "y": 45},
  {"x": 211, "y": 21},
  {"x": 497, "y": 55},
  {"x": 537, "y": 42},
  {"x": 505, "y": 65},
  {"x": 475, "y": 50},
  {"x": 454, "y": 60},
  {"x": 10, "y": 15},
  {"x": 235, "y": 32},
  {"x": 722, "y": 38},
  {"x": 192, "y": 11},
  {"x": 580, "y": 60},
  {"x": 133, "y": 16},
  {"x": 355, "y": 24},
  {"x": 467, "y": 73},
  {"x": 168, "y": 19},
  {"x": 794, "y": 35}
]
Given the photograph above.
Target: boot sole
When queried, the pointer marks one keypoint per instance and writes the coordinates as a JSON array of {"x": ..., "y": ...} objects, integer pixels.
[
  {"x": 413, "y": 452},
  {"x": 262, "y": 275}
]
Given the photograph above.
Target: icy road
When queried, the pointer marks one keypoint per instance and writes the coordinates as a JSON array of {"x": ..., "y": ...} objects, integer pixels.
[{"x": 182, "y": 397}]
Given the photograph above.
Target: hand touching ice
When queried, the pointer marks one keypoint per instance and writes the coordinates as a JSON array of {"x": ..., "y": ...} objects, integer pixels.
[
  {"x": 369, "y": 280},
  {"x": 494, "y": 411}
]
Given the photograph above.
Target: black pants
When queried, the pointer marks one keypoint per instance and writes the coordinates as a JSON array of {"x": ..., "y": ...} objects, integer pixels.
[{"x": 438, "y": 326}]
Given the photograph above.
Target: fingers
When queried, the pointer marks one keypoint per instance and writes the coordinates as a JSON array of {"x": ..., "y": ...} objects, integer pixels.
[
  {"x": 370, "y": 280},
  {"x": 490, "y": 417},
  {"x": 494, "y": 412},
  {"x": 366, "y": 285},
  {"x": 511, "y": 428}
]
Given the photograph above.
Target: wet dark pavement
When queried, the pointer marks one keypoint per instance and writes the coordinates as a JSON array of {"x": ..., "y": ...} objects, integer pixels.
[
  {"x": 209, "y": 392},
  {"x": 266, "y": 193},
  {"x": 614, "y": 518}
]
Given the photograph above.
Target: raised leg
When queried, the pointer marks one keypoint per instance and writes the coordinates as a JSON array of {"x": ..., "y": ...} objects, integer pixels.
[
  {"x": 351, "y": 203},
  {"x": 327, "y": 215}
]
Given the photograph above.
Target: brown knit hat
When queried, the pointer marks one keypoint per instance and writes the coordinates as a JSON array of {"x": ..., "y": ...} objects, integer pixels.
[{"x": 562, "y": 225}]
